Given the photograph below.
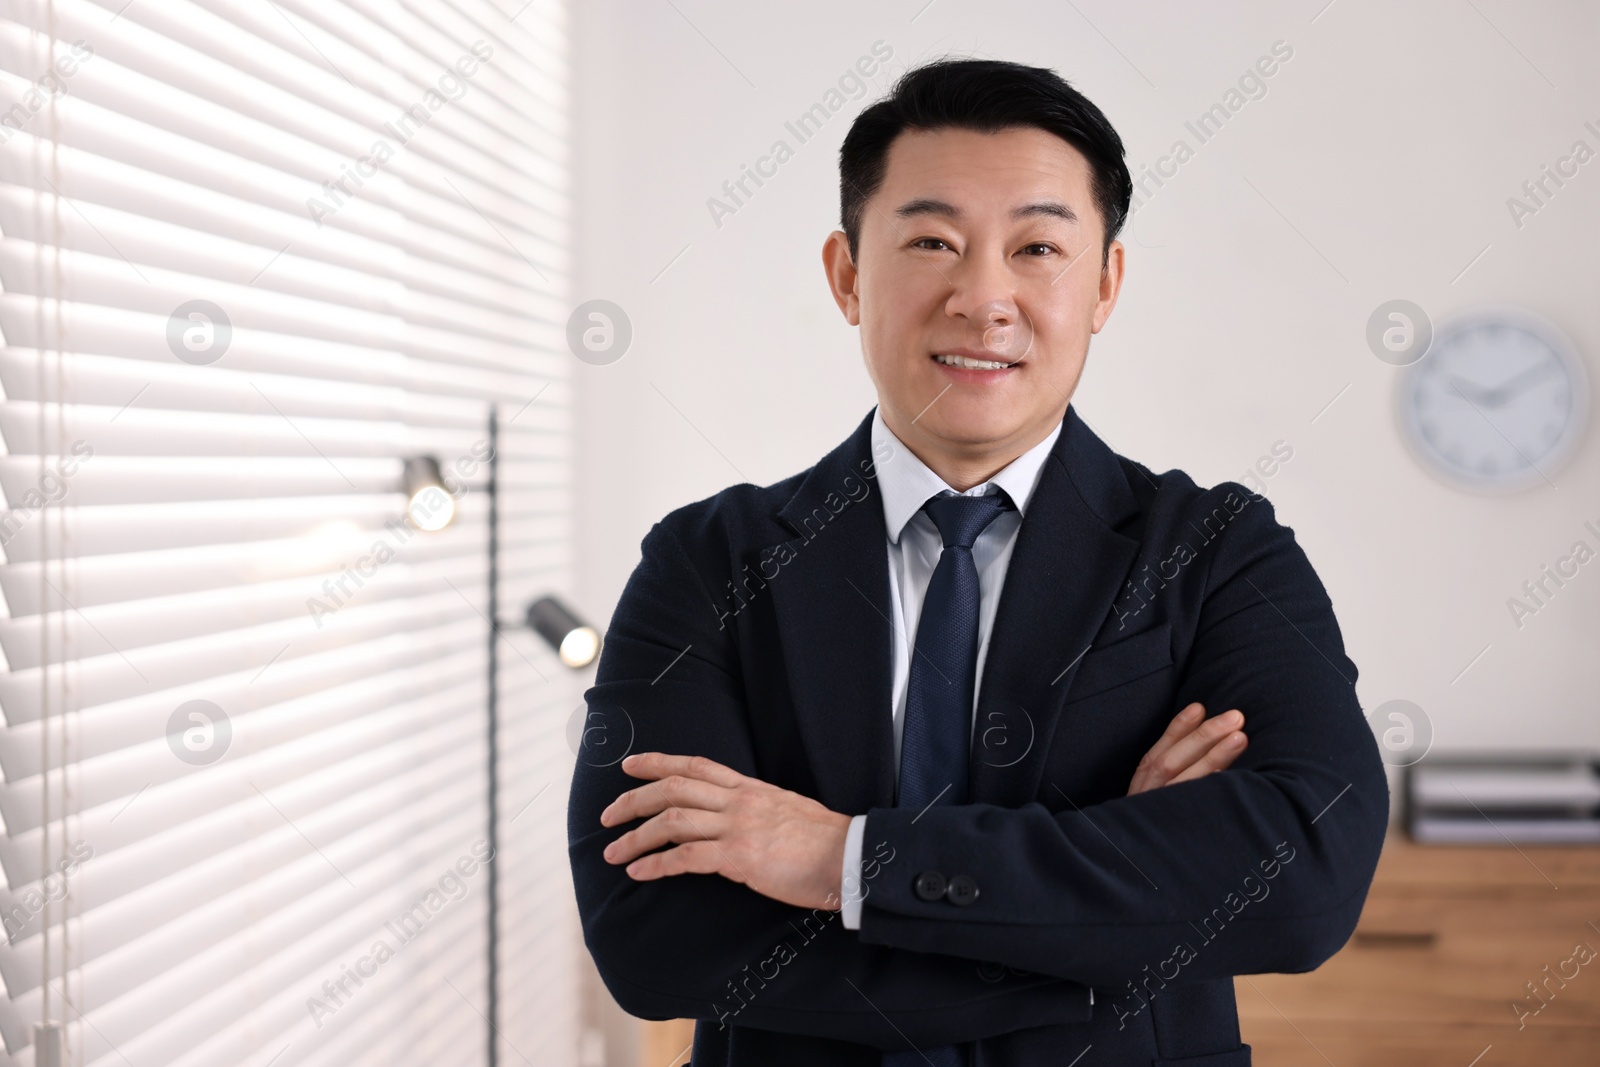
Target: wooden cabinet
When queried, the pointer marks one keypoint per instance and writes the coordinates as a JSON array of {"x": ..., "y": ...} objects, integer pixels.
[{"x": 1463, "y": 956}]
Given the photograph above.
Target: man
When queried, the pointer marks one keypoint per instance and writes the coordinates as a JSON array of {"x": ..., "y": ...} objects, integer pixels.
[{"x": 904, "y": 783}]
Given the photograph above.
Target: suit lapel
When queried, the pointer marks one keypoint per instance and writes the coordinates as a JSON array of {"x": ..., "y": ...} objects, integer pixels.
[
  {"x": 1066, "y": 568},
  {"x": 831, "y": 597}
]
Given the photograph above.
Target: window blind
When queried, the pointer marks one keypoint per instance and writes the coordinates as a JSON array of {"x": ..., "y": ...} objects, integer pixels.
[{"x": 253, "y": 255}]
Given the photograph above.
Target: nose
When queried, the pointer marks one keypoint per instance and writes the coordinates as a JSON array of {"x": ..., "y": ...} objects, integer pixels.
[
  {"x": 1002, "y": 328},
  {"x": 984, "y": 296}
]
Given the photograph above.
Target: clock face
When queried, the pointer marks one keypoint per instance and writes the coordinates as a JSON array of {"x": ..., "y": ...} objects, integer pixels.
[{"x": 1498, "y": 402}]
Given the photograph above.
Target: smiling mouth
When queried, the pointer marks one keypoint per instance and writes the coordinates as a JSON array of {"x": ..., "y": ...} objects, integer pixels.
[{"x": 968, "y": 363}]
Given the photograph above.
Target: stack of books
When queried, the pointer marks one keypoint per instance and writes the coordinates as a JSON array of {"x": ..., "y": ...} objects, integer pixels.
[{"x": 1538, "y": 799}]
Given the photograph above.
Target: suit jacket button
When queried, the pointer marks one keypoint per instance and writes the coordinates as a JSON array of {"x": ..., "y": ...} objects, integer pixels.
[
  {"x": 961, "y": 890},
  {"x": 930, "y": 885},
  {"x": 991, "y": 972}
]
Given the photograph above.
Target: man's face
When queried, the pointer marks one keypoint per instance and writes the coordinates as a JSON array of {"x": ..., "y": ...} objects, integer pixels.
[{"x": 977, "y": 247}]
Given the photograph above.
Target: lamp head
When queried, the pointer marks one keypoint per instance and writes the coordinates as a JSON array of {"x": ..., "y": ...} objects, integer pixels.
[
  {"x": 575, "y": 641},
  {"x": 429, "y": 504}
]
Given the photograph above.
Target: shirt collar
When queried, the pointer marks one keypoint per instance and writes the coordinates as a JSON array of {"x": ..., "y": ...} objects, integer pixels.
[{"x": 906, "y": 482}]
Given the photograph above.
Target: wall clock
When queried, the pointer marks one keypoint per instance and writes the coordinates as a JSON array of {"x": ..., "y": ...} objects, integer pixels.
[{"x": 1498, "y": 402}]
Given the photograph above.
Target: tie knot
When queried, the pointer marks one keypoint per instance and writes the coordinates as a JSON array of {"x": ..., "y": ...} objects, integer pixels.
[{"x": 961, "y": 519}]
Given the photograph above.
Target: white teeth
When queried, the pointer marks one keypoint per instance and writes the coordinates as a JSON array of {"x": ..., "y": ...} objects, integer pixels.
[{"x": 970, "y": 364}]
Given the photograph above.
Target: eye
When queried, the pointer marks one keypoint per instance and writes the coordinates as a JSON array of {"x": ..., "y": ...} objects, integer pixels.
[
  {"x": 928, "y": 242},
  {"x": 1038, "y": 248}
]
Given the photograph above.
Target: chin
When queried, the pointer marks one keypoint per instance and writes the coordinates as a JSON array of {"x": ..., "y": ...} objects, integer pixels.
[{"x": 978, "y": 427}]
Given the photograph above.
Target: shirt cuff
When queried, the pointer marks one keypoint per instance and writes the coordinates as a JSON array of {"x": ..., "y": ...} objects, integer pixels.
[{"x": 851, "y": 889}]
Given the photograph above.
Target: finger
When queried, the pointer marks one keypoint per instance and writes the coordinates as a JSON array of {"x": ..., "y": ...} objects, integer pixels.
[
  {"x": 659, "y": 765},
  {"x": 1182, "y": 753},
  {"x": 1198, "y": 741},
  {"x": 673, "y": 826},
  {"x": 1181, "y": 726},
  {"x": 696, "y": 857},
  {"x": 1146, "y": 775},
  {"x": 1220, "y": 758},
  {"x": 671, "y": 791}
]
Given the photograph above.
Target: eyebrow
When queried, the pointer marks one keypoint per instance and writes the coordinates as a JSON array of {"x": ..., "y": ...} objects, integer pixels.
[{"x": 930, "y": 206}]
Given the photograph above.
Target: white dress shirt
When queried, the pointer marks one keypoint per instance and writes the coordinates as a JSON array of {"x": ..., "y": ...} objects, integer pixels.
[{"x": 905, "y": 484}]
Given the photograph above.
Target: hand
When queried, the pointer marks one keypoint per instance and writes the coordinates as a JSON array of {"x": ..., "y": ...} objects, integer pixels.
[
  {"x": 781, "y": 844},
  {"x": 1517, "y": 384},
  {"x": 1192, "y": 747},
  {"x": 1471, "y": 392}
]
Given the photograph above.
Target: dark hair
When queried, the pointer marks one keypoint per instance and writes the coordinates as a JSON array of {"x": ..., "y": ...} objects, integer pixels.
[{"x": 986, "y": 95}]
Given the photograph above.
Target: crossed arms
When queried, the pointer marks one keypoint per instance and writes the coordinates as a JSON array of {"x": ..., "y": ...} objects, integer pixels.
[{"x": 789, "y": 847}]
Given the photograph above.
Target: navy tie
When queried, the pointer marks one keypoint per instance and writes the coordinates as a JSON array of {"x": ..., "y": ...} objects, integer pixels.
[{"x": 936, "y": 736}]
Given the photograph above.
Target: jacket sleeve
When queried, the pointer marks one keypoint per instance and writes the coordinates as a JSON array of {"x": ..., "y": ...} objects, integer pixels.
[
  {"x": 1263, "y": 867},
  {"x": 700, "y": 946}
]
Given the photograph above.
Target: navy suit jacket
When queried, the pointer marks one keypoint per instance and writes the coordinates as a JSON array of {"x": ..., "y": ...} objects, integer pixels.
[{"x": 755, "y": 631}]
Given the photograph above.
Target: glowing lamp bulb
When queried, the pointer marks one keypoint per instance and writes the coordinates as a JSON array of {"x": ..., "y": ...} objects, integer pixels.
[
  {"x": 431, "y": 508},
  {"x": 579, "y": 647}
]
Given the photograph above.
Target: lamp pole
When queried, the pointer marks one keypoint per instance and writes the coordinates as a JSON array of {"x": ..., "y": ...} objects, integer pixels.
[
  {"x": 576, "y": 644},
  {"x": 493, "y": 731}
]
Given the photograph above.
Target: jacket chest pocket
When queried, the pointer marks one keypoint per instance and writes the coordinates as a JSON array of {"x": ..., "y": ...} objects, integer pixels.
[{"x": 1127, "y": 660}]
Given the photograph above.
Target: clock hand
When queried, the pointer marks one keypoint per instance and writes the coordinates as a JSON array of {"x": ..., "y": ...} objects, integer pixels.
[
  {"x": 1516, "y": 384},
  {"x": 1464, "y": 388}
]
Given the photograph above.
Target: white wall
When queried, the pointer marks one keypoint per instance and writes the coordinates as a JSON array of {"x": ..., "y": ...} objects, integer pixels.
[{"x": 1387, "y": 147}]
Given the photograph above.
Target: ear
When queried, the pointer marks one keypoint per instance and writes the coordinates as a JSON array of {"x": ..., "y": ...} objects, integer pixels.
[
  {"x": 841, "y": 272},
  {"x": 1110, "y": 285}
]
